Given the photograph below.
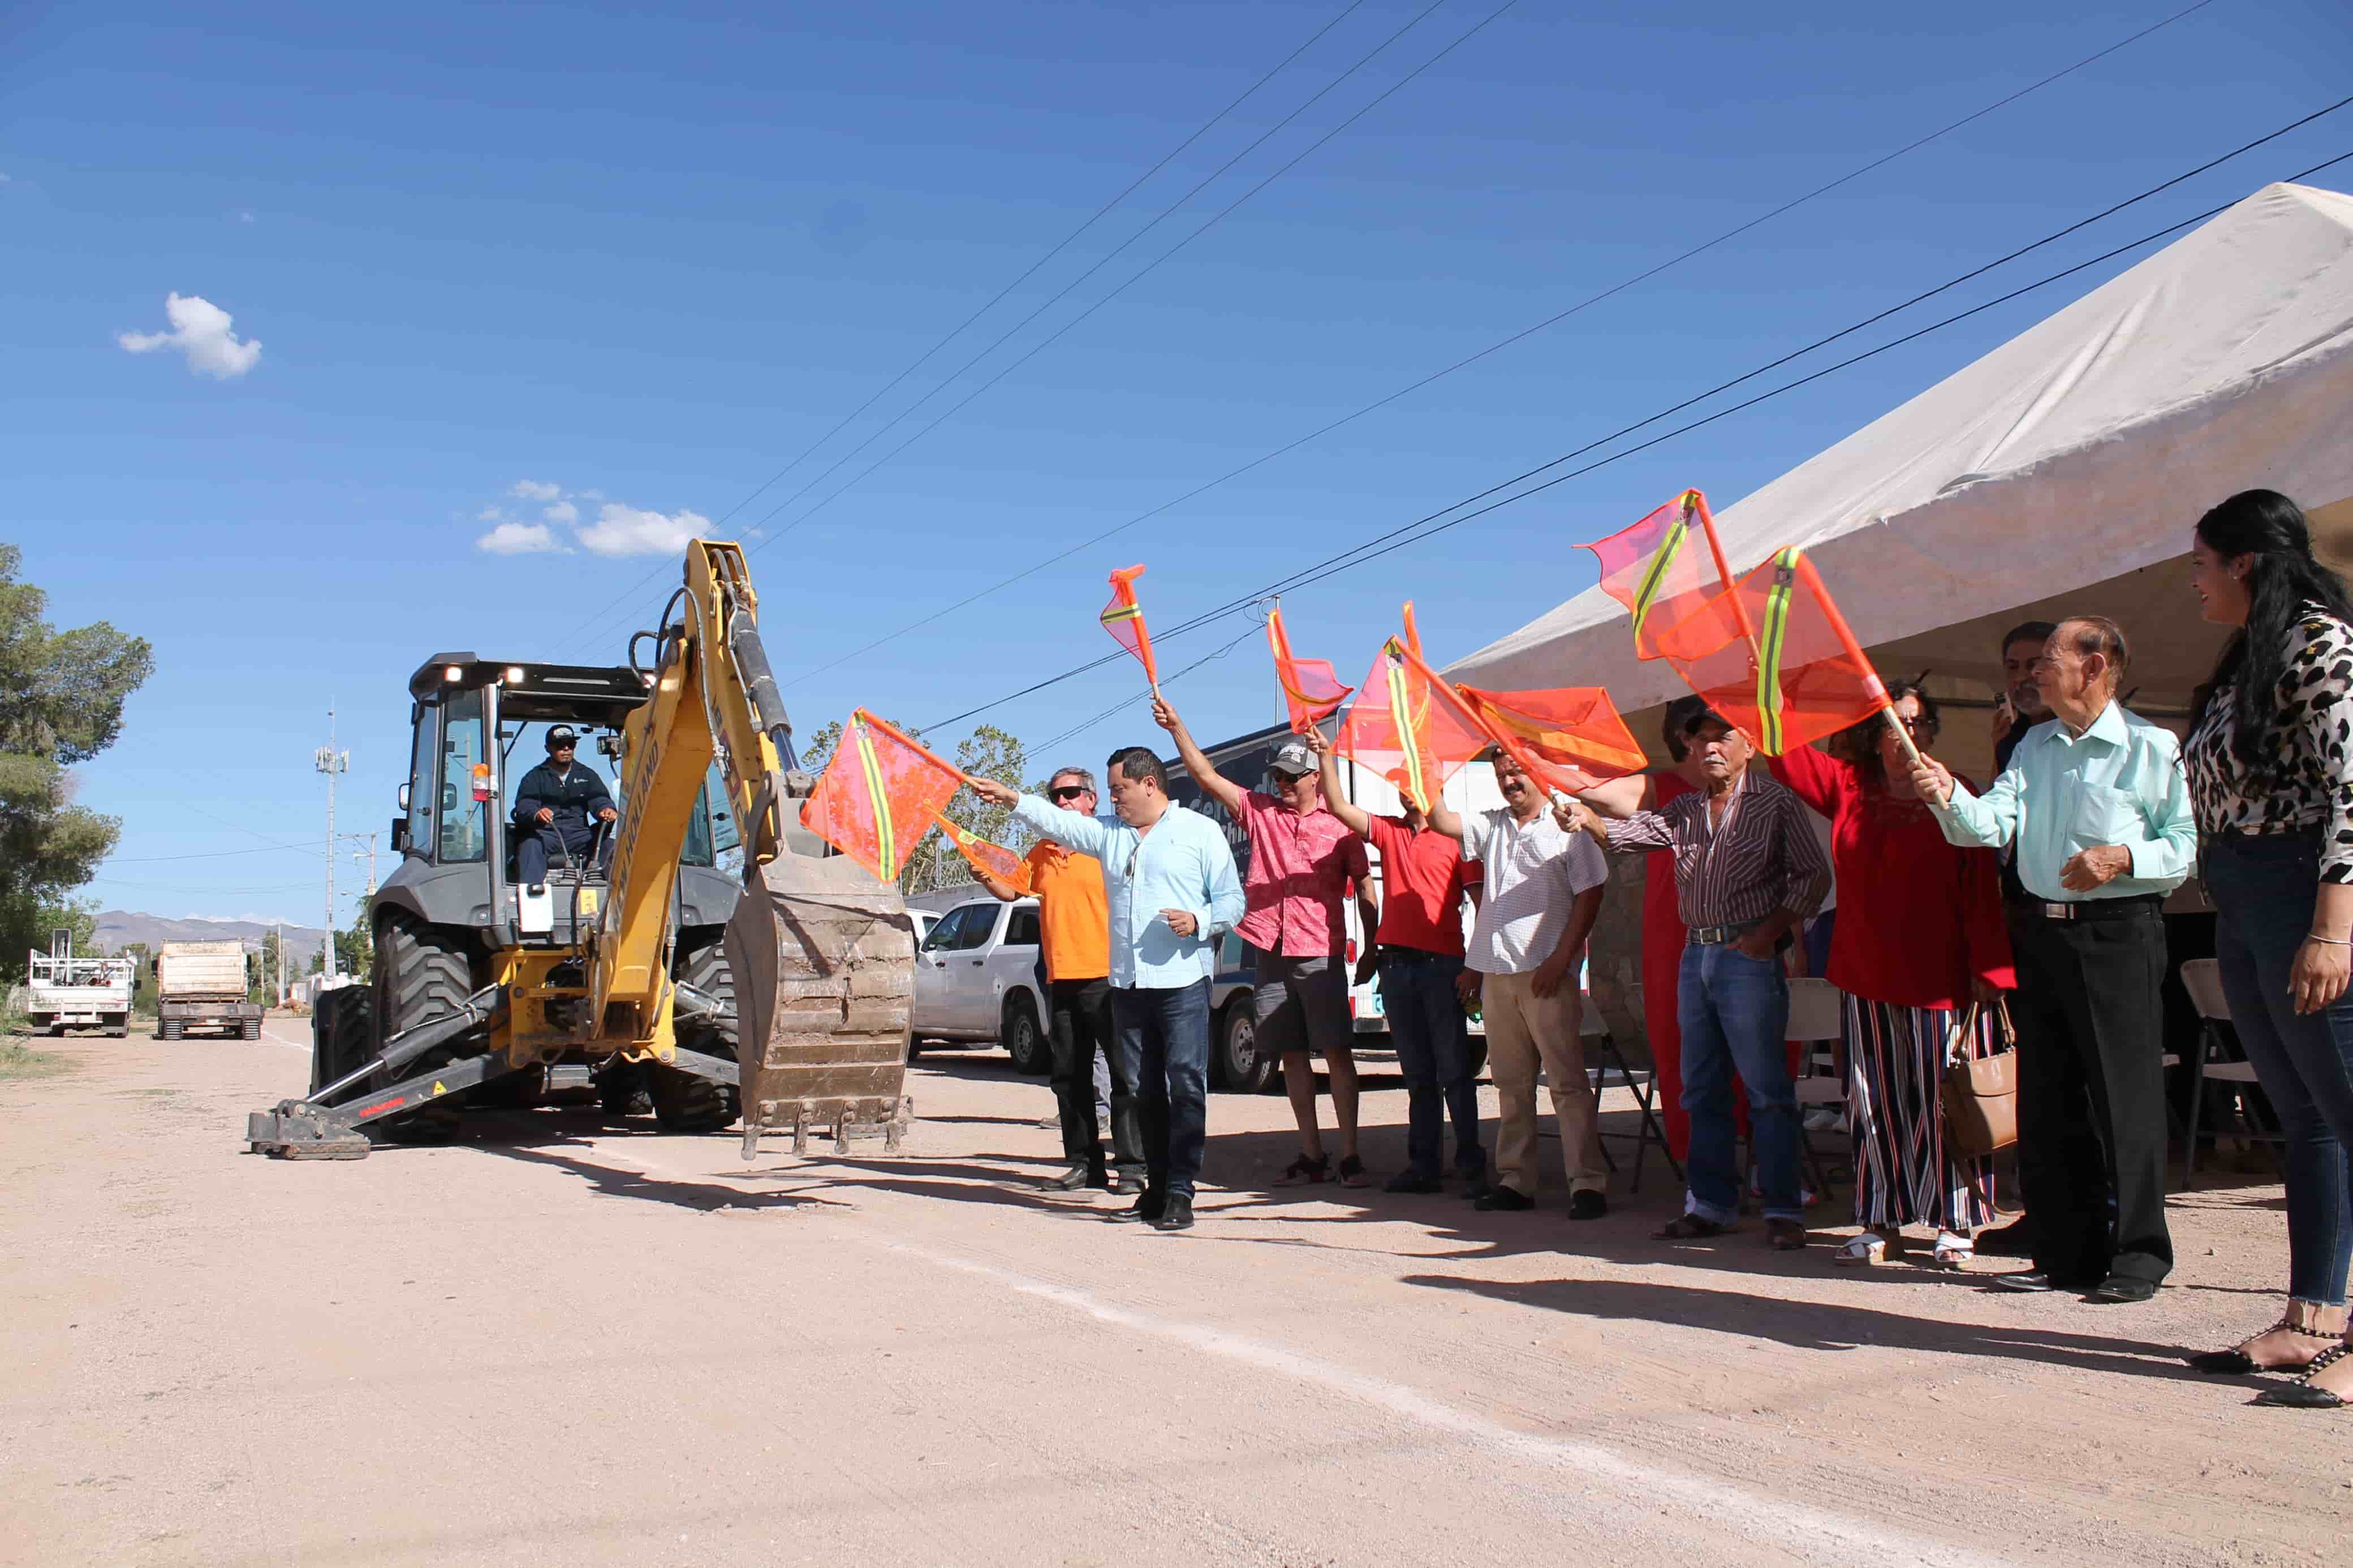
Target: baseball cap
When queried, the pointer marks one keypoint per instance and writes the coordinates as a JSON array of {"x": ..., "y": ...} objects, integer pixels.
[
  {"x": 1292, "y": 757},
  {"x": 562, "y": 735}
]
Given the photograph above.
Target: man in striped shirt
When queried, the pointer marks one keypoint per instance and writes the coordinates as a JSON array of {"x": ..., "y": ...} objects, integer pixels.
[{"x": 1748, "y": 870}]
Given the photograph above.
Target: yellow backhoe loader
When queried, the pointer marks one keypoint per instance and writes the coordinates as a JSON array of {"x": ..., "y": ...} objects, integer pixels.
[{"x": 705, "y": 951}]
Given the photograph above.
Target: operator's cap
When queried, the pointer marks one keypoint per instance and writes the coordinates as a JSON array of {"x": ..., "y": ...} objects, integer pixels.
[
  {"x": 563, "y": 735},
  {"x": 1292, "y": 757}
]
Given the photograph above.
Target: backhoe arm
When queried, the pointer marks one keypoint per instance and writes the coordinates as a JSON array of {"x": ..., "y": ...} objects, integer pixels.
[{"x": 712, "y": 696}]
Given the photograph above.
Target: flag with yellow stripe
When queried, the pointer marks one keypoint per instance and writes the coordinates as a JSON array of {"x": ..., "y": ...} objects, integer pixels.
[
  {"x": 878, "y": 796},
  {"x": 1773, "y": 657}
]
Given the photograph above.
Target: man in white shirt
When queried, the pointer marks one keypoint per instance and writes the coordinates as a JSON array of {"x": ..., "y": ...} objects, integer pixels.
[{"x": 1543, "y": 889}]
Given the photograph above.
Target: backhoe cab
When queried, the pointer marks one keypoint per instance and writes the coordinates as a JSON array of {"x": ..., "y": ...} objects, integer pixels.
[{"x": 702, "y": 944}]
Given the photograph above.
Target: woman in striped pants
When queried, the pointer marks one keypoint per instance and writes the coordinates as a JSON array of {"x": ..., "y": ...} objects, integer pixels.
[{"x": 1919, "y": 937}]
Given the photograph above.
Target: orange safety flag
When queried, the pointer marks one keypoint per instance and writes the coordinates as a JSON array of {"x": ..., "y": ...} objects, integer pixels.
[
  {"x": 878, "y": 796},
  {"x": 988, "y": 858},
  {"x": 1573, "y": 735},
  {"x": 1660, "y": 568},
  {"x": 1398, "y": 729},
  {"x": 1124, "y": 619},
  {"x": 1773, "y": 657},
  {"x": 1566, "y": 740},
  {"x": 1311, "y": 689}
]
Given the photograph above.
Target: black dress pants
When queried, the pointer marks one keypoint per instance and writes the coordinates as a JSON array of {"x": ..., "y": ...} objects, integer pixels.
[
  {"x": 1081, "y": 1024},
  {"x": 2091, "y": 1092}
]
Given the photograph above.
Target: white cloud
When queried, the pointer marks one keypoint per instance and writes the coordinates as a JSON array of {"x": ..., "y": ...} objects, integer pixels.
[
  {"x": 490, "y": 514},
  {"x": 630, "y": 530},
  {"x": 244, "y": 216},
  {"x": 200, "y": 329},
  {"x": 517, "y": 539},
  {"x": 561, "y": 511},
  {"x": 536, "y": 490}
]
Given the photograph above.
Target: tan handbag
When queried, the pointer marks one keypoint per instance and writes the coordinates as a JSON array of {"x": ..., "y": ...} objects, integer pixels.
[{"x": 1980, "y": 1095}]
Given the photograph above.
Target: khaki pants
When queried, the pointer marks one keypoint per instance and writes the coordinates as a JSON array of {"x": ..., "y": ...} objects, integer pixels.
[{"x": 1523, "y": 1029}]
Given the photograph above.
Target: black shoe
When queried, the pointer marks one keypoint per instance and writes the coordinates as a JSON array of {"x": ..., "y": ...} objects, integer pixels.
[
  {"x": 2033, "y": 1280},
  {"x": 2121, "y": 1291},
  {"x": 1477, "y": 1186},
  {"x": 1587, "y": 1205},
  {"x": 1504, "y": 1200},
  {"x": 2012, "y": 1240},
  {"x": 1408, "y": 1182},
  {"x": 1071, "y": 1180},
  {"x": 1145, "y": 1209},
  {"x": 1177, "y": 1215},
  {"x": 1127, "y": 1182}
]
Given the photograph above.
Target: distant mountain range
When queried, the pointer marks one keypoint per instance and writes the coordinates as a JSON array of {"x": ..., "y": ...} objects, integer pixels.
[{"x": 118, "y": 929}]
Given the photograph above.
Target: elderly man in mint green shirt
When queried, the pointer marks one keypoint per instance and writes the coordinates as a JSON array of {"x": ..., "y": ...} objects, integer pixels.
[{"x": 2095, "y": 800}]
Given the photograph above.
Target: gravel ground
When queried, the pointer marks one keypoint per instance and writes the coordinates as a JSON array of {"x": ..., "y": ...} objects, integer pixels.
[{"x": 557, "y": 1341}]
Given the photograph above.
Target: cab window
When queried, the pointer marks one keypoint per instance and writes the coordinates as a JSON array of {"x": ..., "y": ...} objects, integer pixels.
[
  {"x": 1021, "y": 927},
  {"x": 427, "y": 717},
  {"x": 943, "y": 933},
  {"x": 463, "y": 835}
]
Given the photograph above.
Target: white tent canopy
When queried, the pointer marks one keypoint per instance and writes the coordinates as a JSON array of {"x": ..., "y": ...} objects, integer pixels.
[{"x": 2061, "y": 473}]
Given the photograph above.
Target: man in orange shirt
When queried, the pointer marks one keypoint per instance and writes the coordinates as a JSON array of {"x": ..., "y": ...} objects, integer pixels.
[{"x": 1074, "y": 931}]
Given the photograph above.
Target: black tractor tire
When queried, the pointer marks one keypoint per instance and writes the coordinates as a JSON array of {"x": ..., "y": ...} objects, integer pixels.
[
  {"x": 1237, "y": 1064},
  {"x": 422, "y": 972},
  {"x": 682, "y": 1101},
  {"x": 250, "y": 1029},
  {"x": 343, "y": 1034},
  {"x": 1024, "y": 1038},
  {"x": 170, "y": 1030}
]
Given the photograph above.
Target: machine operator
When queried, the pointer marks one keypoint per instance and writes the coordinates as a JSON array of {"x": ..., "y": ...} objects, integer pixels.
[{"x": 558, "y": 803}]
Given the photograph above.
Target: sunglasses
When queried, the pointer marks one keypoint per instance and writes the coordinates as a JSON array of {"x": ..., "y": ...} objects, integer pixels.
[{"x": 1068, "y": 792}]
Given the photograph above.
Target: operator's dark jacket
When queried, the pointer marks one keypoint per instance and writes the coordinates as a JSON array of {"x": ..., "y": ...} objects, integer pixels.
[{"x": 575, "y": 801}]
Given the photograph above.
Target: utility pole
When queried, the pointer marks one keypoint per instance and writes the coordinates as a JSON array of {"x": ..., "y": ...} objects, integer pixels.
[
  {"x": 330, "y": 762},
  {"x": 369, "y": 855}
]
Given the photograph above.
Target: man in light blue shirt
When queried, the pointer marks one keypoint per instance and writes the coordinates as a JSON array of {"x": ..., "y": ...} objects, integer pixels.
[
  {"x": 1169, "y": 877},
  {"x": 2096, "y": 804}
]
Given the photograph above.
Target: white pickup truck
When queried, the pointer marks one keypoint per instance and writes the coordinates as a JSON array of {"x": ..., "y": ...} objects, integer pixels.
[
  {"x": 977, "y": 978},
  {"x": 68, "y": 992}
]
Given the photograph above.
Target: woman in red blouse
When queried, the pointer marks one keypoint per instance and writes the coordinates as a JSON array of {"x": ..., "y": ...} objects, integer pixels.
[{"x": 1919, "y": 936}]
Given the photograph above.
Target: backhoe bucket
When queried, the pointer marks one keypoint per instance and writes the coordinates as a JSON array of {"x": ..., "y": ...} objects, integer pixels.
[{"x": 824, "y": 959}]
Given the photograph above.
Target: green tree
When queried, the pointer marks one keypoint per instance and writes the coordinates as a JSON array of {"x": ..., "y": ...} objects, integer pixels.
[
  {"x": 142, "y": 978},
  {"x": 355, "y": 948},
  {"x": 61, "y": 699}
]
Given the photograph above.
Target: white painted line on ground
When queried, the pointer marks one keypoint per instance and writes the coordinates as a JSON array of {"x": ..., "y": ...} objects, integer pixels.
[
  {"x": 1813, "y": 1533},
  {"x": 302, "y": 1044}
]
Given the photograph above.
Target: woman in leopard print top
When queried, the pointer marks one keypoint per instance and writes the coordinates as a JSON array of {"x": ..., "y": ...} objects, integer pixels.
[{"x": 2270, "y": 759}]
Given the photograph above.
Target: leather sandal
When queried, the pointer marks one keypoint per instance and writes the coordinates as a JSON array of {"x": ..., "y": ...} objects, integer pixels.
[
  {"x": 2294, "y": 1344},
  {"x": 1868, "y": 1251},
  {"x": 1689, "y": 1227},
  {"x": 1304, "y": 1172},
  {"x": 2324, "y": 1387}
]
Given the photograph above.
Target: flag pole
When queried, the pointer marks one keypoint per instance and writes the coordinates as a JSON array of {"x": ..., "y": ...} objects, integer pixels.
[
  {"x": 913, "y": 745},
  {"x": 1845, "y": 634},
  {"x": 1462, "y": 709}
]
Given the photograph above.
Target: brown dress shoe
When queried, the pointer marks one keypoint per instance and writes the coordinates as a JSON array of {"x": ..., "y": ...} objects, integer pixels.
[{"x": 1784, "y": 1235}]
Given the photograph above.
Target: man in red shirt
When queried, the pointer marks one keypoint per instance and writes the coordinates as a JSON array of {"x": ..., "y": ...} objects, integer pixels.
[
  {"x": 1302, "y": 859},
  {"x": 1419, "y": 953}
]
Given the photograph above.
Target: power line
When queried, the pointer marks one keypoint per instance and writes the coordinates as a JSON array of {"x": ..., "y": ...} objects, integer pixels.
[
  {"x": 998, "y": 298},
  {"x": 1415, "y": 532},
  {"x": 1467, "y": 361},
  {"x": 1123, "y": 703},
  {"x": 1056, "y": 336},
  {"x": 210, "y": 853}
]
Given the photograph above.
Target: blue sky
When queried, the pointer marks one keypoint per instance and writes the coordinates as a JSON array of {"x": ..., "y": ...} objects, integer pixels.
[{"x": 626, "y": 265}]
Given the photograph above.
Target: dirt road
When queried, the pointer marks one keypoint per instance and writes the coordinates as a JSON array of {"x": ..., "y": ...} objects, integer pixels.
[{"x": 555, "y": 1343}]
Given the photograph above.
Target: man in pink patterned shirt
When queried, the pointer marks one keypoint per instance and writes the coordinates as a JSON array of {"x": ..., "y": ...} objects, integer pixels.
[{"x": 1302, "y": 860}]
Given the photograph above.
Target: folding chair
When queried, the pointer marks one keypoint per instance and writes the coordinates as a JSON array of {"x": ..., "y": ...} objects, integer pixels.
[
  {"x": 2203, "y": 978},
  {"x": 1599, "y": 1041},
  {"x": 1818, "y": 1014}
]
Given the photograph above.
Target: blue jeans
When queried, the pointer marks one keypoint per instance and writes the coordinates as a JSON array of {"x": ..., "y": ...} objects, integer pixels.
[
  {"x": 2264, "y": 890},
  {"x": 1164, "y": 1042},
  {"x": 1433, "y": 1048},
  {"x": 1733, "y": 1012}
]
